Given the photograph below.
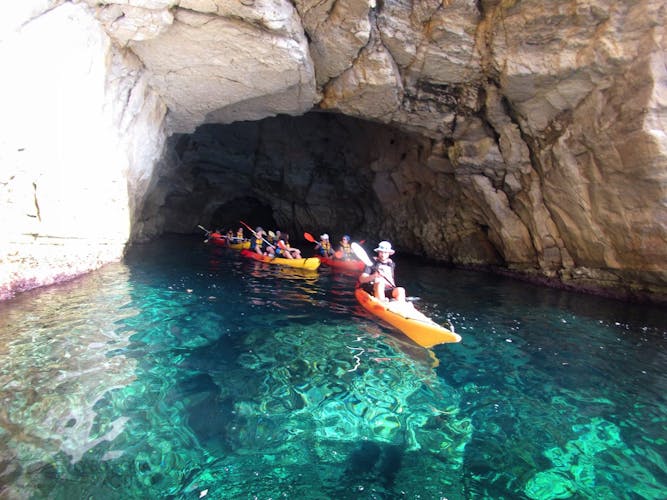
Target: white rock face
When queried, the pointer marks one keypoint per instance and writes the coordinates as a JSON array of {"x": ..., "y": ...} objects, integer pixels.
[
  {"x": 338, "y": 30},
  {"x": 226, "y": 62},
  {"x": 76, "y": 127}
]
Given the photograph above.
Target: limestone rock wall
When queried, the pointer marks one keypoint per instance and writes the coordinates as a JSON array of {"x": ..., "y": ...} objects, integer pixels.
[
  {"x": 80, "y": 125},
  {"x": 537, "y": 130}
]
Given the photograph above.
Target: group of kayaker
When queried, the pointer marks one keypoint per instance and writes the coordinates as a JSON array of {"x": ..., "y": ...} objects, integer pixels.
[
  {"x": 343, "y": 252},
  {"x": 230, "y": 236},
  {"x": 377, "y": 279},
  {"x": 376, "y": 288},
  {"x": 273, "y": 244}
]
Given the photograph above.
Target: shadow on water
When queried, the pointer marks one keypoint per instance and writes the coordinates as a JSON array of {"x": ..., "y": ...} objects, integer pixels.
[{"x": 372, "y": 459}]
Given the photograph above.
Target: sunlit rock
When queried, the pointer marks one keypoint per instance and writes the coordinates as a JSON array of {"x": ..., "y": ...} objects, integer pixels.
[
  {"x": 80, "y": 123},
  {"x": 204, "y": 64},
  {"x": 338, "y": 30},
  {"x": 370, "y": 89}
]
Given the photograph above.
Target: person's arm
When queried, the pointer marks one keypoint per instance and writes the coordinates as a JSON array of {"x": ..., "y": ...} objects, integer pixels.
[{"x": 368, "y": 275}]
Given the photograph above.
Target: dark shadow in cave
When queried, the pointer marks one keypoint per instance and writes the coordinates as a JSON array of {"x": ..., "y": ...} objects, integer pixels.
[
  {"x": 319, "y": 172},
  {"x": 246, "y": 209}
]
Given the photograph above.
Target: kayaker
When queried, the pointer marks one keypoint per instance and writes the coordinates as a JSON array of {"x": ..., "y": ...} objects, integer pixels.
[
  {"x": 345, "y": 249},
  {"x": 378, "y": 279},
  {"x": 281, "y": 249},
  {"x": 239, "y": 235},
  {"x": 258, "y": 244},
  {"x": 295, "y": 253},
  {"x": 323, "y": 247}
]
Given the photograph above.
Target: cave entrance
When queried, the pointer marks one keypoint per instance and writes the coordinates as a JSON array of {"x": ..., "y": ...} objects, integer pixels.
[
  {"x": 319, "y": 172},
  {"x": 248, "y": 209}
]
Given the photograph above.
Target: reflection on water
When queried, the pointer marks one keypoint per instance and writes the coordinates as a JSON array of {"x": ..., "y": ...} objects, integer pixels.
[
  {"x": 190, "y": 372},
  {"x": 56, "y": 368}
]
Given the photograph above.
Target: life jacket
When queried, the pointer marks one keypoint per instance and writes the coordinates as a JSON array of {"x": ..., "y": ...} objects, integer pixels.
[
  {"x": 385, "y": 268},
  {"x": 325, "y": 247},
  {"x": 278, "y": 250},
  {"x": 347, "y": 249},
  {"x": 239, "y": 234},
  {"x": 259, "y": 243}
]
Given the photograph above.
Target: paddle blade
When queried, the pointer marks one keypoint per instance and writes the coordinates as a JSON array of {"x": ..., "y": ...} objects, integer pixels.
[
  {"x": 361, "y": 254},
  {"x": 309, "y": 237}
]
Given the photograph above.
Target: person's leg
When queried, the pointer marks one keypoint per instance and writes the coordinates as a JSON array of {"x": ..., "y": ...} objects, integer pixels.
[
  {"x": 378, "y": 288},
  {"x": 398, "y": 293}
]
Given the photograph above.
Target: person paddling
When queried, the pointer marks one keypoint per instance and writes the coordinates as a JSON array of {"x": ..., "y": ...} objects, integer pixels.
[
  {"x": 324, "y": 246},
  {"x": 259, "y": 244},
  {"x": 378, "y": 278},
  {"x": 294, "y": 253},
  {"x": 344, "y": 251}
]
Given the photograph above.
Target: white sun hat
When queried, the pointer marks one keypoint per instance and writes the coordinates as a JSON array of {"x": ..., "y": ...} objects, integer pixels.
[{"x": 384, "y": 246}]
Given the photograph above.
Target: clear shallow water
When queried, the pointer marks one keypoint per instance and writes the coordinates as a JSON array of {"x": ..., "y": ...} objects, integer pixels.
[{"x": 186, "y": 372}]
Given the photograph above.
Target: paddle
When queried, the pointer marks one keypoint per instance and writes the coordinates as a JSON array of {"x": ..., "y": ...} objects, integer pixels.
[
  {"x": 309, "y": 237},
  {"x": 361, "y": 254},
  {"x": 253, "y": 232},
  {"x": 206, "y": 230}
]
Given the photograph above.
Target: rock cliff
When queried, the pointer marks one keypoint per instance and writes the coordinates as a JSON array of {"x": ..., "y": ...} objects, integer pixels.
[{"x": 524, "y": 135}]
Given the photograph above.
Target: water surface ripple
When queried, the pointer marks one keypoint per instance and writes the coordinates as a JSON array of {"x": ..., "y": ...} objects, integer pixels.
[{"x": 187, "y": 372}]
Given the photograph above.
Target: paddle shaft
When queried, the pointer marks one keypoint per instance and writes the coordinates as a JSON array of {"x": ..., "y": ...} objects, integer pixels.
[{"x": 253, "y": 232}]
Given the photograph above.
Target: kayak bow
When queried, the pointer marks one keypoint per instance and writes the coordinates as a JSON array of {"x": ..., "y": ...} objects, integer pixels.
[{"x": 403, "y": 315}]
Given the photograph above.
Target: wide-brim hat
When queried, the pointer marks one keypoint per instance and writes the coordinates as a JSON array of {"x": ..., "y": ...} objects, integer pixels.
[
  {"x": 385, "y": 246},
  {"x": 324, "y": 236}
]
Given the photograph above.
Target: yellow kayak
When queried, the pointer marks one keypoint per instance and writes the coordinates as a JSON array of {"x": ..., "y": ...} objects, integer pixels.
[
  {"x": 403, "y": 315},
  {"x": 311, "y": 263},
  {"x": 239, "y": 246},
  {"x": 218, "y": 239}
]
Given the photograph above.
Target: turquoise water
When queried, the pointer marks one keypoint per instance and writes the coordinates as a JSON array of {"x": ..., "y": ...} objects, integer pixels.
[{"x": 186, "y": 372}]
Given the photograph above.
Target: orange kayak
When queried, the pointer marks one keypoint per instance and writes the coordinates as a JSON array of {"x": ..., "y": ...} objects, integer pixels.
[
  {"x": 310, "y": 263},
  {"x": 402, "y": 315}
]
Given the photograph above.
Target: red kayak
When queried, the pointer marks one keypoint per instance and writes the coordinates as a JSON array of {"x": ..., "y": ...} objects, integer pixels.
[{"x": 347, "y": 265}]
